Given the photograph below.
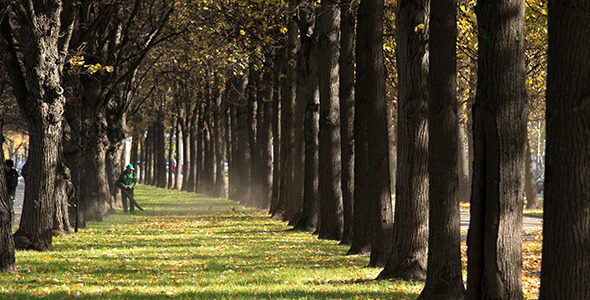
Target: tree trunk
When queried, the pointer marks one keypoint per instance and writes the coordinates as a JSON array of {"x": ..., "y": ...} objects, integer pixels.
[
  {"x": 463, "y": 163},
  {"x": 289, "y": 95},
  {"x": 94, "y": 182},
  {"x": 42, "y": 32},
  {"x": 409, "y": 255},
  {"x": 444, "y": 278},
  {"x": 219, "y": 189},
  {"x": 117, "y": 133},
  {"x": 500, "y": 117},
  {"x": 566, "y": 249},
  {"x": 309, "y": 214},
  {"x": 160, "y": 152},
  {"x": 72, "y": 144},
  {"x": 186, "y": 146},
  {"x": 298, "y": 185},
  {"x": 346, "y": 94},
  {"x": 530, "y": 186},
  {"x": 330, "y": 163},
  {"x": 253, "y": 103},
  {"x": 371, "y": 84},
  {"x": 234, "y": 163},
  {"x": 171, "y": 160},
  {"x": 275, "y": 205},
  {"x": 178, "y": 158},
  {"x": 7, "y": 258},
  {"x": 243, "y": 149},
  {"x": 64, "y": 193},
  {"x": 266, "y": 146},
  {"x": 193, "y": 148}
]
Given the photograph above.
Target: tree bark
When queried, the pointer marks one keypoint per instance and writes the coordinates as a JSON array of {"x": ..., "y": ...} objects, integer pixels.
[
  {"x": 219, "y": 189},
  {"x": 64, "y": 193},
  {"x": 566, "y": 228},
  {"x": 266, "y": 146},
  {"x": 330, "y": 163},
  {"x": 275, "y": 204},
  {"x": 371, "y": 84},
  {"x": 288, "y": 97},
  {"x": 500, "y": 117},
  {"x": 7, "y": 258},
  {"x": 309, "y": 213},
  {"x": 444, "y": 278},
  {"x": 409, "y": 255},
  {"x": 463, "y": 164},
  {"x": 346, "y": 94},
  {"x": 530, "y": 186},
  {"x": 178, "y": 156},
  {"x": 42, "y": 32}
]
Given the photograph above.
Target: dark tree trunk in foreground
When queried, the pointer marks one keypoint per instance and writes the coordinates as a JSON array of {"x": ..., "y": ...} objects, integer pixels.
[
  {"x": 348, "y": 10},
  {"x": 42, "y": 33},
  {"x": 410, "y": 246},
  {"x": 330, "y": 164},
  {"x": 309, "y": 213},
  {"x": 444, "y": 278},
  {"x": 500, "y": 115},
  {"x": 371, "y": 84},
  {"x": 565, "y": 271}
]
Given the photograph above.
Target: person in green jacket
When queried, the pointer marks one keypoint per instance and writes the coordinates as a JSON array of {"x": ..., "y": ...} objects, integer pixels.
[{"x": 126, "y": 182}]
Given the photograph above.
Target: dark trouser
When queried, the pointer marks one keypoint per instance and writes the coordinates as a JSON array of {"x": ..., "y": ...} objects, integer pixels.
[{"x": 124, "y": 193}]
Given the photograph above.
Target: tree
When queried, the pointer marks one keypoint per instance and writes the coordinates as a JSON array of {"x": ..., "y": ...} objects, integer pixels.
[
  {"x": 371, "y": 86},
  {"x": 564, "y": 271},
  {"x": 309, "y": 214},
  {"x": 7, "y": 259},
  {"x": 330, "y": 165},
  {"x": 444, "y": 278},
  {"x": 42, "y": 30},
  {"x": 346, "y": 95},
  {"x": 288, "y": 99},
  {"x": 409, "y": 255},
  {"x": 500, "y": 113}
]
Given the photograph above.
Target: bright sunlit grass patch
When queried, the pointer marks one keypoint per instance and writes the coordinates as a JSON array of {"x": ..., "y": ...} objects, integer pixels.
[{"x": 186, "y": 245}]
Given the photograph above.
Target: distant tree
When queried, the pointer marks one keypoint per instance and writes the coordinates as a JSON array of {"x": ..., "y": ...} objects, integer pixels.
[
  {"x": 409, "y": 255},
  {"x": 331, "y": 211},
  {"x": 494, "y": 240},
  {"x": 219, "y": 189},
  {"x": 444, "y": 278},
  {"x": 565, "y": 269}
]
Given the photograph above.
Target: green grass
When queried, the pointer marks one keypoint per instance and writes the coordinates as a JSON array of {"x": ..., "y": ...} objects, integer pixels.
[{"x": 189, "y": 246}]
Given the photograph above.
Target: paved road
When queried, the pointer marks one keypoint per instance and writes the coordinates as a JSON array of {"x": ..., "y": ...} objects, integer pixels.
[
  {"x": 529, "y": 223},
  {"x": 18, "y": 204}
]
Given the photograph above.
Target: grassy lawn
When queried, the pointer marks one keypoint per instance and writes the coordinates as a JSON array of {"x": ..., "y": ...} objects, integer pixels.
[{"x": 187, "y": 246}]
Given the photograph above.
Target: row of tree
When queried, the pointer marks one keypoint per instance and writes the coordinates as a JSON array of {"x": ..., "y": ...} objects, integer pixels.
[{"x": 294, "y": 97}]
